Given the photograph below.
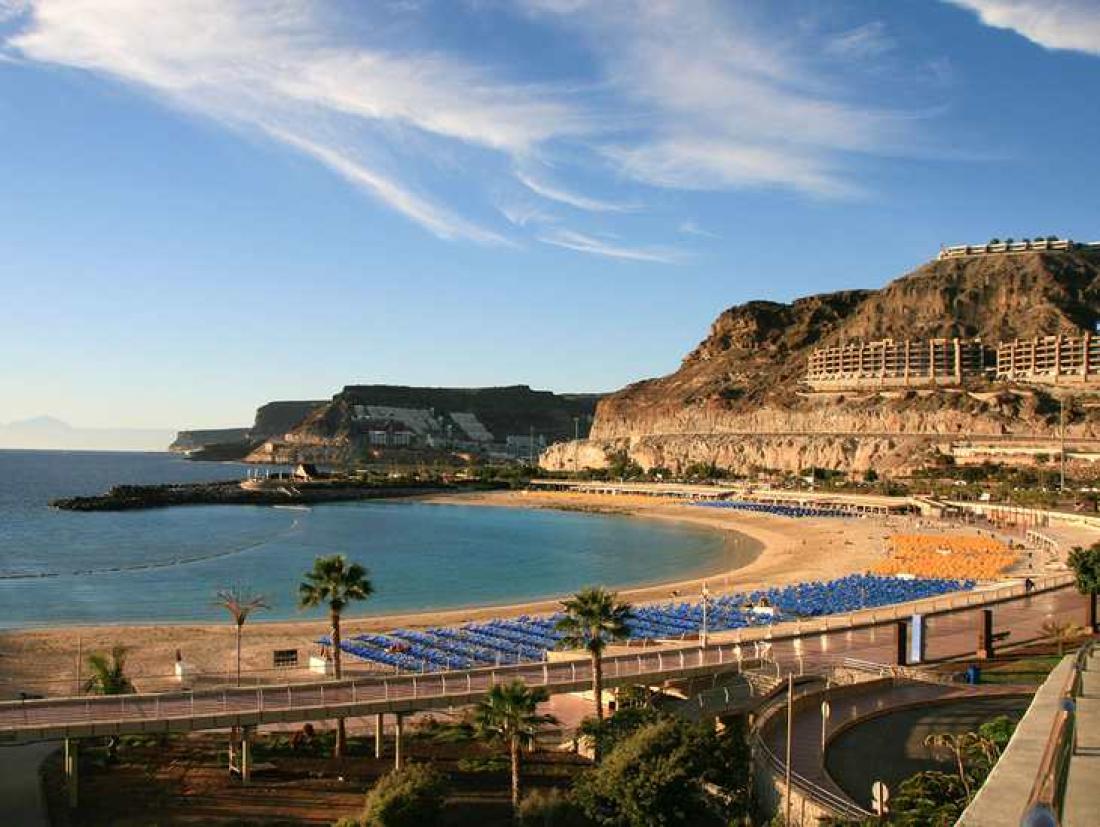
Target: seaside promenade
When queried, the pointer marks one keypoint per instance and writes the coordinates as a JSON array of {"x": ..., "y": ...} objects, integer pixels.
[{"x": 800, "y": 647}]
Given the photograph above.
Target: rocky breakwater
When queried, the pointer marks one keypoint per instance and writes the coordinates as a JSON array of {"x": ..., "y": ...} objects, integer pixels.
[{"x": 134, "y": 497}]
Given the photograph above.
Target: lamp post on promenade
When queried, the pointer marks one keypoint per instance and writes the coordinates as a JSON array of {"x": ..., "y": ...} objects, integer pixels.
[{"x": 703, "y": 635}]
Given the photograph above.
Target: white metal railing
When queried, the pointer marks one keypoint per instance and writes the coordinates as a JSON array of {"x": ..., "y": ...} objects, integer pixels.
[{"x": 727, "y": 650}]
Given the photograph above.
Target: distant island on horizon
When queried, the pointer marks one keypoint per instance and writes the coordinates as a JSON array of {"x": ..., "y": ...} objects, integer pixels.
[{"x": 48, "y": 433}]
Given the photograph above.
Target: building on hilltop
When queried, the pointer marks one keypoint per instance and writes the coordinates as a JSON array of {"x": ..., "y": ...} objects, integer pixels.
[
  {"x": 1024, "y": 245},
  {"x": 888, "y": 363}
]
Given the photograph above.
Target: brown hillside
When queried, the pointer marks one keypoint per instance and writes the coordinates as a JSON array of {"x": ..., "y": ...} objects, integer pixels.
[{"x": 756, "y": 353}]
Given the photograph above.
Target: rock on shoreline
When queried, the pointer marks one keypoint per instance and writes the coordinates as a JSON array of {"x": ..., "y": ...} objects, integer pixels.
[{"x": 134, "y": 497}]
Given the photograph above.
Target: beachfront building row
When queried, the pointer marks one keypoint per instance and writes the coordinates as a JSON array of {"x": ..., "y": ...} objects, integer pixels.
[{"x": 887, "y": 363}]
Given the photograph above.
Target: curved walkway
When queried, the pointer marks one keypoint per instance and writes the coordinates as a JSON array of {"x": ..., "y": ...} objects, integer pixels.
[{"x": 848, "y": 705}]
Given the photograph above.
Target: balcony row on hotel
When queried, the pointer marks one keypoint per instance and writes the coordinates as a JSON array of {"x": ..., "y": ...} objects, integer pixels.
[{"x": 887, "y": 363}]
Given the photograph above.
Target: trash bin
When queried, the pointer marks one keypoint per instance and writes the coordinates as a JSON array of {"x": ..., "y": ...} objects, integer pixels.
[{"x": 973, "y": 674}]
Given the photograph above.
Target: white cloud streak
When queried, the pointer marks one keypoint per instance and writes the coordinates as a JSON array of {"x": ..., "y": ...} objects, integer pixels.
[
  {"x": 572, "y": 199},
  {"x": 684, "y": 96},
  {"x": 730, "y": 105},
  {"x": 1072, "y": 25},
  {"x": 278, "y": 70},
  {"x": 440, "y": 222},
  {"x": 583, "y": 243},
  {"x": 861, "y": 43}
]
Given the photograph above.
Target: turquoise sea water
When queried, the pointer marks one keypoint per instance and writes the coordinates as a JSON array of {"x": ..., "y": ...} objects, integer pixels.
[{"x": 165, "y": 564}]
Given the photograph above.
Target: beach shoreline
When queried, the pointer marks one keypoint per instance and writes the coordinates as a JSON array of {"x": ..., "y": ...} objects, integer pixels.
[{"x": 785, "y": 551}]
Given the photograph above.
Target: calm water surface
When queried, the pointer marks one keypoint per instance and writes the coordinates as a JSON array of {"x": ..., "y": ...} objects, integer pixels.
[{"x": 165, "y": 564}]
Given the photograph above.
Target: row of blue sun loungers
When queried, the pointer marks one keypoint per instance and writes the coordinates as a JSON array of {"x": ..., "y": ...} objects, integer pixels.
[
  {"x": 527, "y": 639},
  {"x": 778, "y": 510}
]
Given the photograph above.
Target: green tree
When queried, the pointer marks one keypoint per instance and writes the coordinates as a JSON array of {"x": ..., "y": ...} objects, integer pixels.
[
  {"x": 654, "y": 777},
  {"x": 928, "y": 799},
  {"x": 108, "y": 673},
  {"x": 593, "y": 618},
  {"x": 609, "y": 732},
  {"x": 240, "y": 603},
  {"x": 550, "y": 808},
  {"x": 509, "y": 713},
  {"x": 937, "y": 798},
  {"x": 412, "y": 796},
  {"x": 1085, "y": 563},
  {"x": 335, "y": 583}
]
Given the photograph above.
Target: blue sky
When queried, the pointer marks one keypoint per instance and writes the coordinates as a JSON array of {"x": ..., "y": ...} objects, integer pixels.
[{"x": 210, "y": 204}]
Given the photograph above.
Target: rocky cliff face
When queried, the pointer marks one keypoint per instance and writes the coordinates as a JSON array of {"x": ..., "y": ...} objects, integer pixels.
[
  {"x": 737, "y": 399},
  {"x": 330, "y": 434},
  {"x": 276, "y": 418}
]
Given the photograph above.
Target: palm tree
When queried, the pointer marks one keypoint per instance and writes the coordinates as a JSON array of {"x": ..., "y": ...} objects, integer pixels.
[
  {"x": 1061, "y": 632},
  {"x": 956, "y": 745},
  {"x": 594, "y": 618},
  {"x": 334, "y": 582},
  {"x": 508, "y": 714},
  {"x": 1085, "y": 563},
  {"x": 240, "y": 603},
  {"x": 108, "y": 673},
  {"x": 108, "y": 677}
]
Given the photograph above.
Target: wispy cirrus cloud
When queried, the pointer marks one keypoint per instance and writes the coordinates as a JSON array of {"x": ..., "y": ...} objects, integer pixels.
[
  {"x": 689, "y": 227},
  {"x": 573, "y": 199},
  {"x": 869, "y": 40},
  {"x": 584, "y": 243},
  {"x": 280, "y": 69},
  {"x": 730, "y": 104},
  {"x": 702, "y": 96},
  {"x": 1072, "y": 25}
]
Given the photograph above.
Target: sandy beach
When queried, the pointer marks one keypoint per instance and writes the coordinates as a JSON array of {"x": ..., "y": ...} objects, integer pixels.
[{"x": 45, "y": 661}]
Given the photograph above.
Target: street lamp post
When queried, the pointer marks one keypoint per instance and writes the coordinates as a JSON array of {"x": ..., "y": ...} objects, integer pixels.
[{"x": 703, "y": 635}]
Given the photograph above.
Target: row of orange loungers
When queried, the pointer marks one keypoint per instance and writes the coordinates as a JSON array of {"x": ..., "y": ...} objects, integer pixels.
[{"x": 970, "y": 557}]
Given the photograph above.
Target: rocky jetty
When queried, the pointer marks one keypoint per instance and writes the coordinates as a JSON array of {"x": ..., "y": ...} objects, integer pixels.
[{"x": 135, "y": 497}]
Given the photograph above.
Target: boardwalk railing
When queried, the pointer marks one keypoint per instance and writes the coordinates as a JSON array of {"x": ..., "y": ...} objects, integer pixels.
[
  {"x": 837, "y": 804},
  {"x": 1049, "y": 790},
  {"x": 212, "y": 709}
]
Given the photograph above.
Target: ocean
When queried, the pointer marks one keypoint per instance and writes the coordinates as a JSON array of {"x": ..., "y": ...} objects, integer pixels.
[{"x": 165, "y": 565}]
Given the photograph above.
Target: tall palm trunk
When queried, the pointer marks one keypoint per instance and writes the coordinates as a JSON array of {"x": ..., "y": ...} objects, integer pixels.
[
  {"x": 240, "y": 628},
  {"x": 597, "y": 690},
  {"x": 337, "y": 668},
  {"x": 514, "y": 749}
]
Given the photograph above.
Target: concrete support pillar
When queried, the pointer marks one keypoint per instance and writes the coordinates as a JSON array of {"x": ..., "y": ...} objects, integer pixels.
[
  {"x": 246, "y": 754},
  {"x": 901, "y": 629},
  {"x": 397, "y": 741},
  {"x": 985, "y": 634},
  {"x": 379, "y": 725},
  {"x": 72, "y": 772}
]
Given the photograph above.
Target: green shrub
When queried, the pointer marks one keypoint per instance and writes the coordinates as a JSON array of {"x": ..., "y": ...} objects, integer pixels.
[
  {"x": 550, "y": 808},
  {"x": 409, "y": 797},
  {"x": 483, "y": 763},
  {"x": 653, "y": 778}
]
